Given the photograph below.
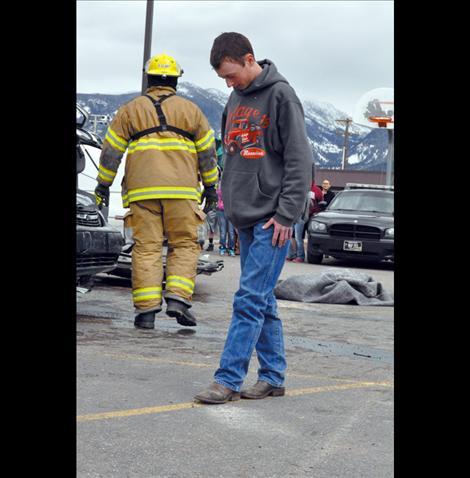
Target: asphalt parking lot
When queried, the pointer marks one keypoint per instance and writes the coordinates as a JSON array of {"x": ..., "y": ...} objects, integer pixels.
[{"x": 137, "y": 417}]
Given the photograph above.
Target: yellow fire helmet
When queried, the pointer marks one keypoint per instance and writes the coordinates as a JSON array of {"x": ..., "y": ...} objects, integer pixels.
[{"x": 163, "y": 65}]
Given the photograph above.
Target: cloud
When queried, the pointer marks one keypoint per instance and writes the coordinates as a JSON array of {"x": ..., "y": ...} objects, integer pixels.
[{"x": 331, "y": 51}]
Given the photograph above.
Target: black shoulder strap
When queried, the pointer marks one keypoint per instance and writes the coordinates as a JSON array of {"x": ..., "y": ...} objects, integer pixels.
[
  {"x": 158, "y": 107},
  {"x": 164, "y": 126}
]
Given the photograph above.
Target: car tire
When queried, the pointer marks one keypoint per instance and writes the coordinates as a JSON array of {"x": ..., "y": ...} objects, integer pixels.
[{"x": 314, "y": 258}]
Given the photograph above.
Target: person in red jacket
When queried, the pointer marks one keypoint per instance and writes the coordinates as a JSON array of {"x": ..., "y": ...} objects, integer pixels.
[{"x": 316, "y": 195}]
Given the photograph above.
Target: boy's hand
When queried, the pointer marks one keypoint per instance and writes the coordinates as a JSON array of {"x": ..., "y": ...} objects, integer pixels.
[{"x": 281, "y": 233}]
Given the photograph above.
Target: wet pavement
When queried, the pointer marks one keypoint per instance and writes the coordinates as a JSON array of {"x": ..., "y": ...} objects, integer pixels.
[{"x": 137, "y": 418}]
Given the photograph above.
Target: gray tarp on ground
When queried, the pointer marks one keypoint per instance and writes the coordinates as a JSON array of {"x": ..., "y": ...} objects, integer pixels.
[{"x": 334, "y": 286}]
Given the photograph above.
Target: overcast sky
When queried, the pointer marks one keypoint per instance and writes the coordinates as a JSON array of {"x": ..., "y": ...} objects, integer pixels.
[{"x": 332, "y": 51}]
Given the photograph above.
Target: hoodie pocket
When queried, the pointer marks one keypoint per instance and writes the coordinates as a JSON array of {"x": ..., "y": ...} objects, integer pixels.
[{"x": 245, "y": 202}]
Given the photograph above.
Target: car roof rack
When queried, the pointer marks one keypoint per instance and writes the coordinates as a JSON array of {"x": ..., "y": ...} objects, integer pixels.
[{"x": 369, "y": 186}]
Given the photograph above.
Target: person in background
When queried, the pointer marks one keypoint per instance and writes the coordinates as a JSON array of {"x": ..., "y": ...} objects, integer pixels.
[
  {"x": 220, "y": 153},
  {"x": 225, "y": 228},
  {"x": 328, "y": 194},
  {"x": 316, "y": 196},
  {"x": 211, "y": 224},
  {"x": 297, "y": 249}
]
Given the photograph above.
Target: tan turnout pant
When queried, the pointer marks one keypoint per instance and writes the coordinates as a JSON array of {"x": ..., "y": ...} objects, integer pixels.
[{"x": 152, "y": 220}]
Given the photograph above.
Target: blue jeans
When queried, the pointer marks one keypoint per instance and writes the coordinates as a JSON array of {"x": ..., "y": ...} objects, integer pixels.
[
  {"x": 255, "y": 323},
  {"x": 225, "y": 226},
  {"x": 299, "y": 240}
]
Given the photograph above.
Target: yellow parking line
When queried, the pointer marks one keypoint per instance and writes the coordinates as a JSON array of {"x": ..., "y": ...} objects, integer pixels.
[
  {"x": 137, "y": 411},
  {"x": 321, "y": 377},
  {"x": 331, "y": 388},
  {"x": 184, "y": 406}
]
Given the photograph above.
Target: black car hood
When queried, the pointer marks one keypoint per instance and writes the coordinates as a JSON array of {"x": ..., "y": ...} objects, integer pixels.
[{"x": 366, "y": 219}]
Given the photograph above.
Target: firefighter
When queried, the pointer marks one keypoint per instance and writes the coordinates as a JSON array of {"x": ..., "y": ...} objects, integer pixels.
[{"x": 168, "y": 142}]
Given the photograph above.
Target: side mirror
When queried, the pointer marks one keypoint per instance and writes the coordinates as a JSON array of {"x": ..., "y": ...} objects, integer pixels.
[
  {"x": 322, "y": 204},
  {"x": 87, "y": 137},
  {"x": 82, "y": 116},
  {"x": 80, "y": 159}
]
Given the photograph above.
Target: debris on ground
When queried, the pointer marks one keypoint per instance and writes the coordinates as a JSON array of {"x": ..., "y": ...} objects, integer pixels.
[{"x": 334, "y": 286}]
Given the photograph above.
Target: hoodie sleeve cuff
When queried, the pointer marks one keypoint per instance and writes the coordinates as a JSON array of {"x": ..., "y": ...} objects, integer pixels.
[{"x": 283, "y": 220}]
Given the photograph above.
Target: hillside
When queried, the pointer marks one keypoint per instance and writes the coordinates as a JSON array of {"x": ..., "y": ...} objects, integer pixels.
[{"x": 367, "y": 147}]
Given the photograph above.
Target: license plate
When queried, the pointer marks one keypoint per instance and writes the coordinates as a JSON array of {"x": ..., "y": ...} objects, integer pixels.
[{"x": 355, "y": 246}]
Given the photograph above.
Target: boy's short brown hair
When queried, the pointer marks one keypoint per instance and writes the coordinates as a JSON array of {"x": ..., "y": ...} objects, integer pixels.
[{"x": 231, "y": 45}]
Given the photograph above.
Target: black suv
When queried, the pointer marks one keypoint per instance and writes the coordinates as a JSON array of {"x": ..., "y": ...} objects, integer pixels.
[
  {"x": 98, "y": 244},
  {"x": 357, "y": 224}
]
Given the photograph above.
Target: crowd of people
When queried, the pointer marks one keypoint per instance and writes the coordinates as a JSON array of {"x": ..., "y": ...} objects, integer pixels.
[
  {"x": 318, "y": 199},
  {"x": 218, "y": 224}
]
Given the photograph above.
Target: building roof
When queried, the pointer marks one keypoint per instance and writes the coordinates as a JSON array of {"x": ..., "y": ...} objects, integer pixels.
[{"x": 339, "y": 177}]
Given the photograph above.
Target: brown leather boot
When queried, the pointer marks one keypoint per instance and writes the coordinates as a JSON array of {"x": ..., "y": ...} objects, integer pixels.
[
  {"x": 262, "y": 389},
  {"x": 217, "y": 393}
]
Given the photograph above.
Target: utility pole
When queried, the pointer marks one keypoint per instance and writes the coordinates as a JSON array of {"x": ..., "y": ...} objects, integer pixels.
[
  {"x": 347, "y": 122},
  {"x": 148, "y": 40}
]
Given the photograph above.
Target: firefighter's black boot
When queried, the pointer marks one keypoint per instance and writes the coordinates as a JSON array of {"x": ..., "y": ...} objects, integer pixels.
[
  {"x": 180, "y": 311},
  {"x": 145, "y": 320}
]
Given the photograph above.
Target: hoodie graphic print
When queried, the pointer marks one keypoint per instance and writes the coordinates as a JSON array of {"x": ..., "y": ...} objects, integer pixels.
[
  {"x": 245, "y": 132},
  {"x": 268, "y": 158}
]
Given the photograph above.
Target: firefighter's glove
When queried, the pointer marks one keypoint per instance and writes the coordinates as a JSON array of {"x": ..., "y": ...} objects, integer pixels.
[
  {"x": 102, "y": 196},
  {"x": 210, "y": 195}
]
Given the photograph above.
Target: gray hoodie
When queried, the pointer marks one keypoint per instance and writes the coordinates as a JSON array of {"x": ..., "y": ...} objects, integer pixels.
[{"x": 268, "y": 158}]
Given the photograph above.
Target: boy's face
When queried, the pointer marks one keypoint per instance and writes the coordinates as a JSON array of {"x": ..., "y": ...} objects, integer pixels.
[{"x": 236, "y": 75}]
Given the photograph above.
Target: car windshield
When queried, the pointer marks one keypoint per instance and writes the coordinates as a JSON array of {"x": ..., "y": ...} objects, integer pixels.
[{"x": 363, "y": 201}]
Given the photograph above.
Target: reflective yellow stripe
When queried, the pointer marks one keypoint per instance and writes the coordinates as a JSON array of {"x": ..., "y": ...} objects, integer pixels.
[
  {"x": 179, "y": 286},
  {"x": 106, "y": 174},
  {"x": 210, "y": 177},
  {"x": 146, "y": 293},
  {"x": 208, "y": 145},
  {"x": 163, "y": 144},
  {"x": 162, "y": 140},
  {"x": 161, "y": 192},
  {"x": 146, "y": 289},
  {"x": 183, "y": 279},
  {"x": 181, "y": 282},
  {"x": 210, "y": 173},
  {"x": 149, "y": 296},
  {"x": 205, "y": 137},
  {"x": 213, "y": 182},
  {"x": 146, "y": 147},
  {"x": 104, "y": 179},
  {"x": 205, "y": 142},
  {"x": 119, "y": 143}
]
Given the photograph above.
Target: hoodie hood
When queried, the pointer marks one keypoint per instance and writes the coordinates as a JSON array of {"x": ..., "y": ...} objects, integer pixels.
[{"x": 266, "y": 78}]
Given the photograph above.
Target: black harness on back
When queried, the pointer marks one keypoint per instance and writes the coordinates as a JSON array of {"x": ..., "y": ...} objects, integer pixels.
[{"x": 164, "y": 126}]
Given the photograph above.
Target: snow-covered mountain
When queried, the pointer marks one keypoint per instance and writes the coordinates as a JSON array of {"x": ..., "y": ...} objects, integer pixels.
[{"x": 367, "y": 147}]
